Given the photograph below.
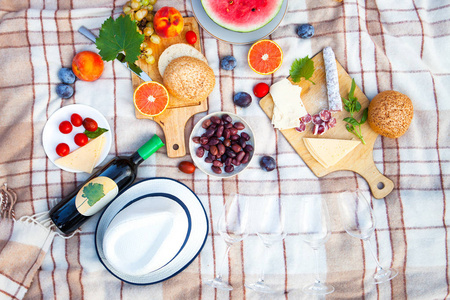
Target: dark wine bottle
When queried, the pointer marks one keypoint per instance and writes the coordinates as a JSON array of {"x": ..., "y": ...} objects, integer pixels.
[{"x": 101, "y": 188}]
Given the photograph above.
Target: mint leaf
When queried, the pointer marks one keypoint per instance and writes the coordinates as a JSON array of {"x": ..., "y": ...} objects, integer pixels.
[
  {"x": 94, "y": 134},
  {"x": 117, "y": 36},
  {"x": 302, "y": 68}
]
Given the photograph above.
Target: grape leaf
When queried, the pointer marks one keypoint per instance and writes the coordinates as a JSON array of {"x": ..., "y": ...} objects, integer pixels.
[
  {"x": 117, "y": 36},
  {"x": 302, "y": 68},
  {"x": 93, "y": 192}
]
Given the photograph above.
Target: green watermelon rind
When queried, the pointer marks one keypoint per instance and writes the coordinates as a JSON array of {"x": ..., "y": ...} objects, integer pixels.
[{"x": 230, "y": 27}]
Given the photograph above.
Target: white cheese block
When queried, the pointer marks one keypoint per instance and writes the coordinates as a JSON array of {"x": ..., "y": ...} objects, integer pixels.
[
  {"x": 329, "y": 152},
  {"x": 288, "y": 107},
  {"x": 84, "y": 158}
]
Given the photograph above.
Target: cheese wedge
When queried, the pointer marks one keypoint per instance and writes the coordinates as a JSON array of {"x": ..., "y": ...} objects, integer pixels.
[
  {"x": 329, "y": 152},
  {"x": 288, "y": 106},
  {"x": 84, "y": 158}
]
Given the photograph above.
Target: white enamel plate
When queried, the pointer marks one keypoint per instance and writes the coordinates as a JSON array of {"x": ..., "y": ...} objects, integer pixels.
[
  {"x": 51, "y": 136},
  {"x": 235, "y": 37}
]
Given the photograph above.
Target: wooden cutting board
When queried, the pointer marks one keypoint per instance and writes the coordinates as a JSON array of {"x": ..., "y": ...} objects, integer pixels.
[
  {"x": 173, "y": 120},
  {"x": 360, "y": 159}
]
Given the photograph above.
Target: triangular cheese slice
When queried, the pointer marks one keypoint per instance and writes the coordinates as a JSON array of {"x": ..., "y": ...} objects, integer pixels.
[
  {"x": 329, "y": 152},
  {"x": 308, "y": 146},
  {"x": 84, "y": 158}
]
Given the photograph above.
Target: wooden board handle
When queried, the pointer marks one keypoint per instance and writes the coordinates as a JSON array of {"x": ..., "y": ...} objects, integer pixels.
[{"x": 379, "y": 184}]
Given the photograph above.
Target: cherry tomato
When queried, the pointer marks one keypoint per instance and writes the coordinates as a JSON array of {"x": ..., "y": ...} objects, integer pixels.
[
  {"x": 261, "y": 89},
  {"x": 186, "y": 167},
  {"x": 65, "y": 127},
  {"x": 81, "y": 139},
  {"x": 191, "y": 37},
  {"x": 76, "y": 120},
  {"x": 62, "y": 149},
  {"x": 90, "y": 124}
]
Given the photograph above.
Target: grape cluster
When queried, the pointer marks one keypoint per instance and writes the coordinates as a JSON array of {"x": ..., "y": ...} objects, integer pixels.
[{"x": 141, "y": 11}]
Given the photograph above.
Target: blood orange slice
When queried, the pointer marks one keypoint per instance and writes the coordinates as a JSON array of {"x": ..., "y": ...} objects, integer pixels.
[
  {"x": 151, "y": 98},
  {"x": 265, "y": 57}
]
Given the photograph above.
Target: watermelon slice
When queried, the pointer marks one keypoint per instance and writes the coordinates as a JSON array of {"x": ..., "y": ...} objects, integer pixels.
[{"x": 242, "y": 15}]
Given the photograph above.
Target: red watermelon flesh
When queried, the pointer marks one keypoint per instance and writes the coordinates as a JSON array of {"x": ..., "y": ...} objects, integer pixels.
[{"x": 242, "y": 15}]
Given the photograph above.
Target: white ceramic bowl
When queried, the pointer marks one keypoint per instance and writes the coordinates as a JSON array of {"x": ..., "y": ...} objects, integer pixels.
[{"x": 198, "y": 130}]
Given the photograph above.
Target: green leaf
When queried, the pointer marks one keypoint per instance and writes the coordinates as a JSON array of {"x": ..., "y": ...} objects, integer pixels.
[
  {"x": 93, "y": 192},
  {"x": 94, "y": 134},
  {"x": 357, "y": 106},
  {"x": 117, "y": 36},
  {"x": 302, "y": 68},
  {"x": 364, "y": 116},
  {"x": 352, "y": 89},
  {"x": 352, "y": 121},
  {"x": 349, "y": 128}
]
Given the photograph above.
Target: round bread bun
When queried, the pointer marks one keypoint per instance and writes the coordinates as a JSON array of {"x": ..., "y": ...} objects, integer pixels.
[
  {"x": 175, "y": 51},
  {"x": 189, "y": 79},
  {"x": 390, "y": 114}
]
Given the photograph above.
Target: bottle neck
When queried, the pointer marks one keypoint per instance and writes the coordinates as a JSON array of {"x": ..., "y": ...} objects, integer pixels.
[{"x": 136, "y": 159}]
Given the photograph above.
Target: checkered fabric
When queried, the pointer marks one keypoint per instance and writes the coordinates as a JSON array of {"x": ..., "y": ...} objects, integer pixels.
[{"x": 384, "y": 45}]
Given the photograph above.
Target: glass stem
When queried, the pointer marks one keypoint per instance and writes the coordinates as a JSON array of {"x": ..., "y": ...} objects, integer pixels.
[
  {"x": 373, "y": 253},
  {"x": 219, "y": 274},
  {"x": 265, "y": 252},
  {"x": 316, "y": 254}
]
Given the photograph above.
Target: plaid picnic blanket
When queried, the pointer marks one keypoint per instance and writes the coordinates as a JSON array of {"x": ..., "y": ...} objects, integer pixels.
[{"x": 384, "y": 45}]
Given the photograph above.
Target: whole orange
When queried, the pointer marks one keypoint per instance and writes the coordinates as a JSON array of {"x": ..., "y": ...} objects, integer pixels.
[
  {"x": 87, "y": 65},
  {"x": 168, "y": 22}
]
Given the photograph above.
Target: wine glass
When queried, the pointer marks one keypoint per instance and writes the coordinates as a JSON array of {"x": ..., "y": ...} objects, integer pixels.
[
  {"x": 315, "y": 231},
  {"x": 359, "y": 221},
  {"x": 270, "y": 230},
  {"x": 232, "y": 226}
]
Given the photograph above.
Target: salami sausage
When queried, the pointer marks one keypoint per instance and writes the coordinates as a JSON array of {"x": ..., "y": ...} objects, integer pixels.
[{"x": 334, "y": 98}]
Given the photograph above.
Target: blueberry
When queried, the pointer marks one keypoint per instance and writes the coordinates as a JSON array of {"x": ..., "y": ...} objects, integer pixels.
[
  {"x": 305, "y": 31},
  {"x": 66, "y": 75},
  {"x": 64, "y": 90},
  {"x": 228, "y": 63},
  {"x": 242, "y": 99},
  {"x": 267, "y": 163}
]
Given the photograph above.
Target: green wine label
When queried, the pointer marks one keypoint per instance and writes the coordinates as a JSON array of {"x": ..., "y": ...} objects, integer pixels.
[{"x": 95, "y": 194}]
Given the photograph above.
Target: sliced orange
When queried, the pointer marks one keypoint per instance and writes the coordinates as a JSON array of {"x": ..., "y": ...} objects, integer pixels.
[
  {"x": 265, "y": 57},
  {"x": 151, "y": 98}
]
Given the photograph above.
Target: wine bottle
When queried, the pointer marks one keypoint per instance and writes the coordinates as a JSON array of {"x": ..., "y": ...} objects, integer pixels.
[{"x": 101, "y": 188}]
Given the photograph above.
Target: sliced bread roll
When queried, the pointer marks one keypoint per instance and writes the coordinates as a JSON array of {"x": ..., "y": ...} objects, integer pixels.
[
  {"x": 175, "y": 51},
  {"x": 189, "y": 79}
]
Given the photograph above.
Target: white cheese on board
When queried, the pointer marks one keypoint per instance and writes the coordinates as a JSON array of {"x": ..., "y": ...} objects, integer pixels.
[
  {"x": 288, "y": 106},
  {"x": 329, "y": 152},
  {"x": 84, "y": 158}
]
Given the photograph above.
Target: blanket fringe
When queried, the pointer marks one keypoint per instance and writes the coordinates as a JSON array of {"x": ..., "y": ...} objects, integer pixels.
[{"x": 7, "y": 198}]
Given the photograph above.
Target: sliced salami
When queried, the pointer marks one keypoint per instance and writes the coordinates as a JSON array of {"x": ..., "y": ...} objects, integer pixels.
[
  {"x": 334, "y": 98},
  {"x": 322, "y": 129},
  {"x": 301, "y": 128},
  {"x": 306, "y": 119},
  {"x": 316, "y": 119},
  {"x": 332, "y": 123},
  {"x": 315, "y": 129},
  {"x": 325, "y": 115}
]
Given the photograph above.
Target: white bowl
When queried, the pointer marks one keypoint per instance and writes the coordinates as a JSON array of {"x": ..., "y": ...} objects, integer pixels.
[{"x": 198, "y": 130}]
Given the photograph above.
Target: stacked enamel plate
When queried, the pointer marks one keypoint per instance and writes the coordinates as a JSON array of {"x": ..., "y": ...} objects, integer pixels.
[{"x": 146, "y": 235}]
